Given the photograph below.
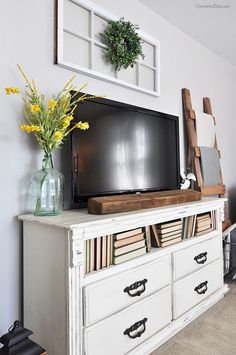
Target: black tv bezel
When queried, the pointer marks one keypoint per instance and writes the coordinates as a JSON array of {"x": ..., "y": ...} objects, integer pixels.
[{"x": 81, "y": 200}]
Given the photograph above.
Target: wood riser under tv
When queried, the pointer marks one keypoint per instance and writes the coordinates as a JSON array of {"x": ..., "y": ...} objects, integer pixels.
[{"x": 135, "y": 202}]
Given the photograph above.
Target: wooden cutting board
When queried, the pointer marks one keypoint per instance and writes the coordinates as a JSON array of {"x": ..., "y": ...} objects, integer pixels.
[{"x": 134, "y": 202}]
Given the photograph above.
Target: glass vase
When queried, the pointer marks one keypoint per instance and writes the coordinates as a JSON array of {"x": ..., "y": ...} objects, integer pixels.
[{"x": 47, "y": 187}]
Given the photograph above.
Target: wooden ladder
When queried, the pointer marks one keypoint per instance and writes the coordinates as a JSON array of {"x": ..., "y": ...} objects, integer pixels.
[{"x": 194, "y": 150}]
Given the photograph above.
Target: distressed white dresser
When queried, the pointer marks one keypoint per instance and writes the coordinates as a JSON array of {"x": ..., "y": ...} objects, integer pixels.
[{"x": 73, "y": 314}]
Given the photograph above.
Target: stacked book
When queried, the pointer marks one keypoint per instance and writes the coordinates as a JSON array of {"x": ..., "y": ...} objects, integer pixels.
[
  {"x": 130, "y": 244},
  {"x": 115, "y": 249},
  {"x": 164, "y": 234},
  {"x": 98, "y": 253},
  {"x": 204, "y": 223}
]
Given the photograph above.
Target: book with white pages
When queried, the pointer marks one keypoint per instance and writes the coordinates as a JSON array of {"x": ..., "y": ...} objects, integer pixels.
[
  {"x": 129, "y": 248},
  {"x": 169, "y": 224},
  {"x": 126, "y": 241},
  {"x": 128, "y": 234},
  {"x": 129, "y": 256}
]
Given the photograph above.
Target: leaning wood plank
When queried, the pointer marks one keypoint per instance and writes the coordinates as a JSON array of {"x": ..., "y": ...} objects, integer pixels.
[
  {"x": 188, "y": 113},
  {"x": 197, "y": 152},
  {"x": 190, "y": 116},
  {"x": 213, "y": 190},
  {"x": 134, "y": 202},
  {"x": 198, "y": 171},
  {"x": 207, "y": 105}
]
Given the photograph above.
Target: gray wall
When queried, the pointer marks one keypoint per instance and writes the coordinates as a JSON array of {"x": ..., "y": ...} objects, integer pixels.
[{"x": 26, "y": 37}]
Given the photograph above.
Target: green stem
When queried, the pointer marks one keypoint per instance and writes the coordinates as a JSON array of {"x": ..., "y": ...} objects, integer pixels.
[
  {"x": 47, "y": 158},
  {"x": 38, "y": 202}
]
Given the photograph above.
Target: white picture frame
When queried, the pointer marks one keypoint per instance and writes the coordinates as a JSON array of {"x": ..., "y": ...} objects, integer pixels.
[{"x": 79, "y": 48}]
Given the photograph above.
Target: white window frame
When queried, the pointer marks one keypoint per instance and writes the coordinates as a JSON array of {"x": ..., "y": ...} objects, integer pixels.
[{"x": 94, "y": 9}]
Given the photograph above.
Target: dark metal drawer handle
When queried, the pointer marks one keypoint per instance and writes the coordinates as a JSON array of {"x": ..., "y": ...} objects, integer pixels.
[
  {"x": 201, "y": 288},
  {"x": 201, "y": 258},
  {"x": 134, "y": 286},
  {"x": 135, "y": 326}
]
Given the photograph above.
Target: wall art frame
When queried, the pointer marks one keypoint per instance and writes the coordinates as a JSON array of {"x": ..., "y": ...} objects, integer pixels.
[{"x": 79, "y": 47}]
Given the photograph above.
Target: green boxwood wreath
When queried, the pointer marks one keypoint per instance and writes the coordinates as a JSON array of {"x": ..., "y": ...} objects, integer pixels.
[{"x": 123, "y": 43}]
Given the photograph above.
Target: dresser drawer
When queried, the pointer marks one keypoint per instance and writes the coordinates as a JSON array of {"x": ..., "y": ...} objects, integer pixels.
[
  {"x": 196, "y": 257},
  {"x": 120, "y": 333},
  {"x": 105, "y": 297},
  {"x": 194, "y": 288}
]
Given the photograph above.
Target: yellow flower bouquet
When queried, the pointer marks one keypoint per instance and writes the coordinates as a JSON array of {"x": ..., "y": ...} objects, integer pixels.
[{"x": 50, "y": 121}]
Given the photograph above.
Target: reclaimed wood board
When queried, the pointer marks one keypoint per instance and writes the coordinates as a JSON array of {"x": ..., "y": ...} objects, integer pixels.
[{"x": 134, "y": 202}]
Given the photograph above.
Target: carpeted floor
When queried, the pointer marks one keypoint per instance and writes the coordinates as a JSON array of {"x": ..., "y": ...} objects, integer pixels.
[{"x": 213, "y": 333}]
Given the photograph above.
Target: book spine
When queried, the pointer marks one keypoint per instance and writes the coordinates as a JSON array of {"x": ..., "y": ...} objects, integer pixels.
[
  {"x": 85, "y": 258},
  {"x": 194, "y": 225},
  {"x": 130, "y": 240},
  {"x": 129, "y": 248},
  {"x": 92, "y": 254},
  {"x": 156, "y": 236},
  {"x": 104, "y": 247},
  {"x": 109, "y": 246},
  {"x": 184, "y": 228},
  {"x": 98, "y": 253},
  {"x": 128, "y": 234},
  {"x": 148, "y": 238},
  {"x": 88, "y": 255},
  {"x": 174, "y": 223},
  {"x": 129, "y": 256},
  {"x": 111, "y": 249}
]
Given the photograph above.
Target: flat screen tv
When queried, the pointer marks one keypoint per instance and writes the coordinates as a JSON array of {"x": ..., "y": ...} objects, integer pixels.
[{"x": 127, "y": 149}]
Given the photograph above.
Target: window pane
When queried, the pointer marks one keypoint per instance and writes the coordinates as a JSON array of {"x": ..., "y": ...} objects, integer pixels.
[
  {"x": 147, "y": 78},
  {"x": 100, "y": 62},
  {"x": 99, "y": 27},
  {"x": 129, "y": 75},
  {"x": 149, "y": 52},
  {"x": 76, "y": 50},
  {"x": 76, "y": 18}
]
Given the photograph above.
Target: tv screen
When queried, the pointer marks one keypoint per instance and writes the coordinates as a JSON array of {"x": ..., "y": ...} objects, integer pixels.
[{"x": 126, "y": 149}]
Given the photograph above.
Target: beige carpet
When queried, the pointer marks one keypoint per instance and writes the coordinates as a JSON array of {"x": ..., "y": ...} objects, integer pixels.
[{"x": 213, "y": 333}]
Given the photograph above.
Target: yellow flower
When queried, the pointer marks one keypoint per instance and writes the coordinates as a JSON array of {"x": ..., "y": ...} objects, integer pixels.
[
  {"x": 67, "y": 120},
  {"x": 11, "y": 90},
  {"x": 52, "y": 104},
  {"x": 8, "y": 91},
  {"x": 34, "y": 108},
  {"x": 15, "y": 90},
  {"x": 58, "y": 135},
  {"x": 82, "y": 125},
  {"x": 66, "y": 124},
  {"x": 30, "y": 128},
  {"x": 35, "y": 128},
  {"x": 26, "y": 128}
]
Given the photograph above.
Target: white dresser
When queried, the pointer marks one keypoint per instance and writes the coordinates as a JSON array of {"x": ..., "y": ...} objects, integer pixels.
[{"x": 130, "y": 308}]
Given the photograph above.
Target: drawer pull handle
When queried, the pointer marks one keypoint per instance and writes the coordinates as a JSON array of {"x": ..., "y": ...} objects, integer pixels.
[
  {"x": 201, "y": 288},
  {"x": 135, "y": 326},
  {"x": 134, "y": 286},
  {"x": 201, "y": 258}
]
